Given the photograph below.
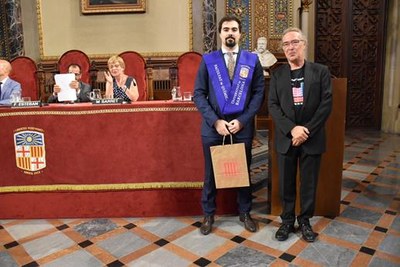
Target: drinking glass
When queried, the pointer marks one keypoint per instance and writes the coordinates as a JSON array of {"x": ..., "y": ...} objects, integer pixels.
[
  {"x": 97, "y": 93},
  {"x": 187, "y": 96},
  {"x": 92, "y": 95},
  {"x": 15, "y": 97}
]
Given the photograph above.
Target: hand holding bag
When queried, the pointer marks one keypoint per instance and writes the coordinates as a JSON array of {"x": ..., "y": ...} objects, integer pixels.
[{"x": 230, "y": 165}]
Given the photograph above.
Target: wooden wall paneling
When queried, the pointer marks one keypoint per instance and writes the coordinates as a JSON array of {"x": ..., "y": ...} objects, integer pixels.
[
  {"x": 330, "y": 35},
  {"x": 368, "y": 20},
  {"x": 350, "y": 39}
]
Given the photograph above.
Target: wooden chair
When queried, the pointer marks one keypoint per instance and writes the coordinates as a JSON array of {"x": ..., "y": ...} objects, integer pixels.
[
  {"x": 135, "y": 66},
  {"x": 75, "y": 57},
  {"x": 188, "y": 64},
  {"x": 24, "y": 71}
]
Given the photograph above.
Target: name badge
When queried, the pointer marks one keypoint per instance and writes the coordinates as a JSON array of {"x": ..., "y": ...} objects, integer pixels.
[
  {"x": 107, "y": 101},
  {"x": 26, "y": 104}
]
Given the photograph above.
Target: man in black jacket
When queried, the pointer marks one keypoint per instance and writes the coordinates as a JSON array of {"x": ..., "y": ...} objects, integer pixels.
[{"x": 300, "y": 101}]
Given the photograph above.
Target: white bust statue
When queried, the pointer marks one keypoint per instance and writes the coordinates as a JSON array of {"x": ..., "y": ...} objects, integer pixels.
[{"x": 267, "y": 59}]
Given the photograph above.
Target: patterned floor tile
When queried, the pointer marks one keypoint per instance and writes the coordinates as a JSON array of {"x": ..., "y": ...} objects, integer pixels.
[
  {"x": 122, "y": 244},
  {"x": 266, "y": 237},
  {"x": 78, "y": 258},
  {"x": 328, "y": 254},
  {"x": 362, "y": 168},
  {"x": 391, "y": 245},
  {"x": 396, "y": 224},
  {"x": 163, "y": 227},
  {"x": 244, "y": 256},
  {"x": 383, "y": 190},
  {"x": 345, "y": 231},
  {"x": 382, "y": 202},
  {"x": 361, "y": 215},
  {"x": 160, "y": 257},
  {"x": 355, "y": 175},
  {"x": 95, "y": 227},
  {"x": 47, "y": 245},
  {"x": 366, "y": 233},
  {"x": 349, "y": 183},
  {"x": 229, "y": 224},
  {"x": 201, "y": 245},
  {"x": 28, "y": 228},
  {"x": 379, "y": 262},
  {"x": 7, "y": 260}
]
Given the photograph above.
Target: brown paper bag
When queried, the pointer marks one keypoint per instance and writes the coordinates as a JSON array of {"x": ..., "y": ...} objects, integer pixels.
[{"x": 230, "y": 165}]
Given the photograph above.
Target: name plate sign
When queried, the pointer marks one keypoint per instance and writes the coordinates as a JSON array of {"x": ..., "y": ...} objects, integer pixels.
[
  {"x": 26, "y": 104},
  {"x": 107, "y": 101}
]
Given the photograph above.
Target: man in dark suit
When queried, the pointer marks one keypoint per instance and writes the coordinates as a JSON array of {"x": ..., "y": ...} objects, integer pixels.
[
  {"x": 7, "y": 85},
  {"x": 82, "y": 89},
  {"x": 229, "y": 90},
  {"x": 300, "y": 101}
]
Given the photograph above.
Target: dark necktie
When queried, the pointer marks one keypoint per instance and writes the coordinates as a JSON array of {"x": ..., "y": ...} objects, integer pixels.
[
  {"x": 0, "y": 88},
  {"x": 231, "y": 64}
]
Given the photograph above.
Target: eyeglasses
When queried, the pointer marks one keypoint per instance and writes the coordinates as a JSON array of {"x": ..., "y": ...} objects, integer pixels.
[
  {"x": 294, "y": 43},
  {"x": 76, "y": 74}
]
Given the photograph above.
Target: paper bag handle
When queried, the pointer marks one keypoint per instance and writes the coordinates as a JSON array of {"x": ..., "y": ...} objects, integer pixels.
[{"x": 223, "y": 140}]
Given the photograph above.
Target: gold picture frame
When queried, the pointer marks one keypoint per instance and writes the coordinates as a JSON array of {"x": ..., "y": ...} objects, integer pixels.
[{"x": 113, "y": 6}]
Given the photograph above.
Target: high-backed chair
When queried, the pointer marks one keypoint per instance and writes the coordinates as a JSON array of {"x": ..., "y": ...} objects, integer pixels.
[
  {"x": 135, "y": 66},
  {"x": 75, "y": 57},
  {"x": 188, "y": 64},
  {"x": 24, "y": 71}
]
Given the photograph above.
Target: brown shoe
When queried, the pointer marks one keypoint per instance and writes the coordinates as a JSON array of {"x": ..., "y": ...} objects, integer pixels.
[
  {"x": 205, "y": 227},
  {"x": 249, "y": 224}
]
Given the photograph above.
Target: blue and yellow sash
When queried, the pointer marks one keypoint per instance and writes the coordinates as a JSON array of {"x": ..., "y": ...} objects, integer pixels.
[{"x": 231, "y": 97}]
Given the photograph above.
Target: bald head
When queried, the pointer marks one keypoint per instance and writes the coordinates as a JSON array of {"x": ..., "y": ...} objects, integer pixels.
[{"x": 5, "y": 68}]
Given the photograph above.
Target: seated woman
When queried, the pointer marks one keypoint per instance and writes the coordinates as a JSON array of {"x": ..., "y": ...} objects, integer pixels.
[{"x": 120, "y": 85}]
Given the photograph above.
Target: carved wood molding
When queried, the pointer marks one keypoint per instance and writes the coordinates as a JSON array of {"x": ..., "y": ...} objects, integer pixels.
[{"x": 350, "y": 40}]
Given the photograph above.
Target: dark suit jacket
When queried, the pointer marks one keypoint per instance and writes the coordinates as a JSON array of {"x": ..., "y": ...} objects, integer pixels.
[
  {"x": 81, "y": 97},
  {"x": 316, "y": 108},
  {"x": 206, "y": 101}
]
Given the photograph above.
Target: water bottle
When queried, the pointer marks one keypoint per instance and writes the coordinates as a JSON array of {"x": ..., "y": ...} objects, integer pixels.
[
  {"x": 178, "y": 96},
  {"x": 173, "y": 93}
]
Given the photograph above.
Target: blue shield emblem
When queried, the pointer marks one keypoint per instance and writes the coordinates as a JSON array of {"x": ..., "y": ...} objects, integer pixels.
[{"x": 30, "y": 153}]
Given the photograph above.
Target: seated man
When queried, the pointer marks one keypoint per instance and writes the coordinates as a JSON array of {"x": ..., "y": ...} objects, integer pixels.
[
  {"x": 82, "y": 89},
  {"x": 7, "y": 85},
  {"x": 267, "y": 59}
]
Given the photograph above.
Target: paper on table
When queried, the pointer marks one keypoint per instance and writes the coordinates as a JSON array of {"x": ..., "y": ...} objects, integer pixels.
[{"x": 67, "y": 93}]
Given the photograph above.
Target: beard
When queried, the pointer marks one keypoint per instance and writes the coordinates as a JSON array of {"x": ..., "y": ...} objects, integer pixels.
[{"x": 230, "y": 42}]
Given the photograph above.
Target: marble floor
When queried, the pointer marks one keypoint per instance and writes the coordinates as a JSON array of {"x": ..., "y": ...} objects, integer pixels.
[{"x": 366, "y": 233}]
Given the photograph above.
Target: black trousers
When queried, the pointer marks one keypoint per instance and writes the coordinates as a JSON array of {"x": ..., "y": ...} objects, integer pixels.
[
  {"x": 309, "y": 166},
  {"x": 209, "y": 192}
]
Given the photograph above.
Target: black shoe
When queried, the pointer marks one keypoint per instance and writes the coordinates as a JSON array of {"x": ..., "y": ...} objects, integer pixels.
[
  {"x": 307, "y": 232},
  {"x": 283, "y": 232},
  {"x": 249, "y": 224},
  {"x": 205, "y": 227}
]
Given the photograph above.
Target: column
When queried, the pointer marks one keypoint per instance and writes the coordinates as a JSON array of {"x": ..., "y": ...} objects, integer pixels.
[
  {"x": 305, "y": 8},
  {"x": 12, "y": 38},
  {"x": 210, "y": 25}
]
